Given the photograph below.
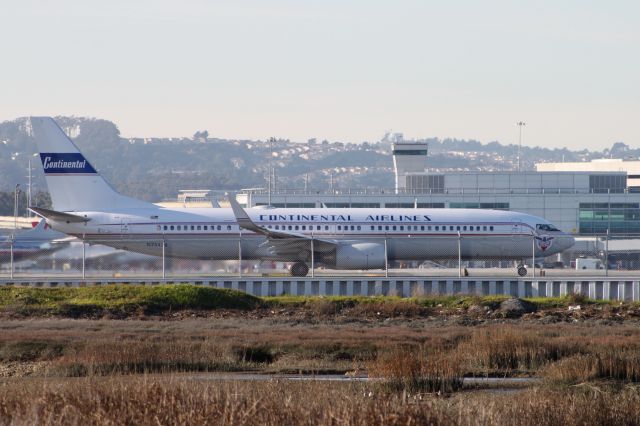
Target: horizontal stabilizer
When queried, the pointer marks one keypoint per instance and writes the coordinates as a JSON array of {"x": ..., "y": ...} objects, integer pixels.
[{"x": 58, "y": 216}]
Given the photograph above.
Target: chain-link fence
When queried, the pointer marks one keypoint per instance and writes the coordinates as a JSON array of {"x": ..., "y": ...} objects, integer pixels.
[{"x": 251, "y": 255}]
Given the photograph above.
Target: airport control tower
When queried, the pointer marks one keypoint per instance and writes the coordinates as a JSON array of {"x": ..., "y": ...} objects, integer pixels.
[{"x": 408, "y": 157}]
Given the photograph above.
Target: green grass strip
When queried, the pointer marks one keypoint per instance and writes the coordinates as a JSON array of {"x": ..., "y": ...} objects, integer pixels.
[{"x": 124, "y": 297}]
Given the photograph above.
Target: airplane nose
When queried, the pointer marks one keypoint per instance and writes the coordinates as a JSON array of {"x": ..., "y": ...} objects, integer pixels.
[{"x": 566, "y": 241}]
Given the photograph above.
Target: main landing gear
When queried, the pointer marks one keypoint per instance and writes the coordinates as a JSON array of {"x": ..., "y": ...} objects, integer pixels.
[
  {"x": 299, "y": 269},
  {"x": 522, "y": 271}
]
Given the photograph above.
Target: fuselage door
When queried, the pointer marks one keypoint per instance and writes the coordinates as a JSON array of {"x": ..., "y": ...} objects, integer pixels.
[{"x": 125, "y": 227}]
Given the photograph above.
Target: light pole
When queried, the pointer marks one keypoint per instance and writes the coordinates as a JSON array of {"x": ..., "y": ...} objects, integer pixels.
[
  {"x": 271, "y": 139},
  {"x": 520, "y": 124},
  {"x": 29, "y": 189},
  {"x": 15, "y": 206}
]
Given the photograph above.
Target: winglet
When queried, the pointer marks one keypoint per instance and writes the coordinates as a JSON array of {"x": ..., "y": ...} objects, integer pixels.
[
  {"x": 244, "y": 221},
  {"x": 242, "y": 217}
]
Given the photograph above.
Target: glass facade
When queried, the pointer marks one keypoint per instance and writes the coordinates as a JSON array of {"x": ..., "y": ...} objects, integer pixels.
[
  {"x": 603, "y": 184},
  {"x": 494, "y": 206},
  {"x": 354, "y": 205},
  {"x": 412, "y": 205},
  {"x": 426, "y": 184},
  {"x": 618, "y": 218},
  {"x": 409, "y": 152},
  {"x": 289, "y": 205},
  {"x": 365, "y": 205},
  {"x": 400, "y": 205}
]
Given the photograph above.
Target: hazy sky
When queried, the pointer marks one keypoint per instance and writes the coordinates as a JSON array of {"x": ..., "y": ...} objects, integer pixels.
[{"x": 334, "y": 69}]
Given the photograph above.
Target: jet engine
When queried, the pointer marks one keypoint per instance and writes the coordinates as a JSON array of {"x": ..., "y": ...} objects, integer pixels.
[{"x": 359, "y": 256}]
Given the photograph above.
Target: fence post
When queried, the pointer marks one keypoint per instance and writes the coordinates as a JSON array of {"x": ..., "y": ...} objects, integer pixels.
[
  {"x": 533, "y": 254},
  {"x": 312, "y": 257},
  {"x": 11, "y": 259},
  {"x": 386, "y": 259},
  {"x": 83, "y": 257},
  {"x": 240, "y": 255},
  {"x": 164, "y": 275},
  {"x": 459, "y": 255},
  {"x": 606, "y": 255}
]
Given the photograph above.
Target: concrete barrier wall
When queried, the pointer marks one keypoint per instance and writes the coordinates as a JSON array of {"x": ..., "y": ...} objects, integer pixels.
[{"x": 600, "y": 289}]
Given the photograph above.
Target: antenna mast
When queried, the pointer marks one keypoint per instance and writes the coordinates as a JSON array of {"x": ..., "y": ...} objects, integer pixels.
[{"x": 520, "y": 124}]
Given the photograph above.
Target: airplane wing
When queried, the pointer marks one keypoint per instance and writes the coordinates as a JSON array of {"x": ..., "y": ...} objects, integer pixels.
[
  {"x": 66, "y": 239},
  {"x": 280, "y": 242}
]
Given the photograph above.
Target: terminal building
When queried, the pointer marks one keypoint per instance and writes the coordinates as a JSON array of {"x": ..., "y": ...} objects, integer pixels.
[
  {"x": 584, "y": 199},
  {"x": 630, "y": 167}
]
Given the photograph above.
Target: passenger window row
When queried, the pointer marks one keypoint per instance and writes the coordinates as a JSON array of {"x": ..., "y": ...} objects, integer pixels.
[
  {"x": 464, "y": 228},
  {"x": 472, "y": 228},
  {"x": 443, "y": 228},
  {"x": 298, "y": 227},
  {"x": 198, "y": 227}
]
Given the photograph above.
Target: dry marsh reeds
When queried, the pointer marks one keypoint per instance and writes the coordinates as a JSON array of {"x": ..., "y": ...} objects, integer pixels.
[
  {"x": 543, "y": 406},
  {"x": 601, "y": 364},
  {"x": 574, "y": 369},
  {"x": 137, "y": 357},
  {"x": 618, "y": 364},
  {"x": 568, "y": 353},
  {"x": 30, "y": 350},
  {"x": 180, "y": 400},
  {"x": 416, "y": 369},
  {"x": 503, "y": 349},
  {"x": 131, "y": 371}
]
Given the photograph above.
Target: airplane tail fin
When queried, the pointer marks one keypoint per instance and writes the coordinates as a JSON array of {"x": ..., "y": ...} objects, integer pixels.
[
  {"x": 40, "y": 226},
  {"x": 40, "y": 232},
  {"x": 73, "y": 183}
]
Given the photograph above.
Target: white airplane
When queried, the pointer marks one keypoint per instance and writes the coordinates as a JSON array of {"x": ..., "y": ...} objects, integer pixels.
[
  {"x": 39, "y": 241},
  {"x": 86, "y": 206}
]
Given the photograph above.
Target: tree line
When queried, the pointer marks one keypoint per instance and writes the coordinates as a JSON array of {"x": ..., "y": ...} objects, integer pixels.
[{"x": 7, "y": 202}]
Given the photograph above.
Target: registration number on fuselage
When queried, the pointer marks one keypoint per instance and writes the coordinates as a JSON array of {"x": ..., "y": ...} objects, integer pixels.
[{"x": 154, "y": 244}]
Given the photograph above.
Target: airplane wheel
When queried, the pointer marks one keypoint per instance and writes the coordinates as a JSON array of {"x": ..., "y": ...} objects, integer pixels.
[
  {"x": 299, "y": 269},
  {"x": 522, "y": 271}
]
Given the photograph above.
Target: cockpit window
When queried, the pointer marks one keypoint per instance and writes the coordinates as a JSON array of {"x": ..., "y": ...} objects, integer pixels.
[{"x": 546, "y": 227}]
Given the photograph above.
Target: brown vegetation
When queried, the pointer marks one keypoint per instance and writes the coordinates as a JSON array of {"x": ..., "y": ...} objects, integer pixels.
[
  {"x": 507, "y": 349},
  {"x": 604, "y": 363},
  {"x": 182, "y": 400},
  {"x": 417, "y": 370},
  {"x": 125, "y": 372},
  {"x": 104, "y": 347}
]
